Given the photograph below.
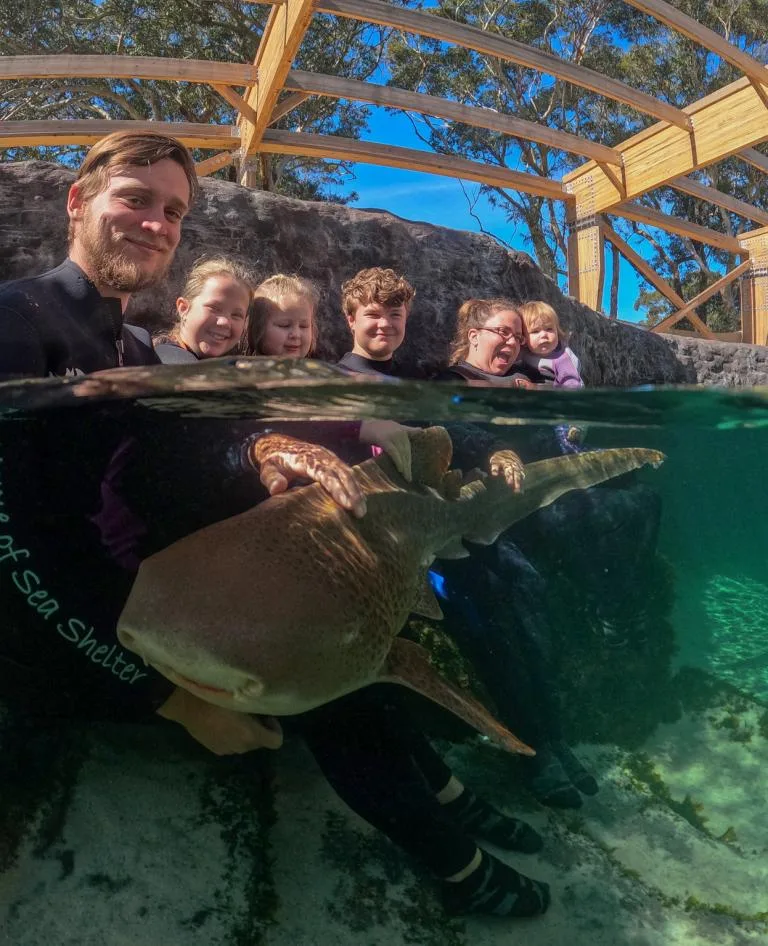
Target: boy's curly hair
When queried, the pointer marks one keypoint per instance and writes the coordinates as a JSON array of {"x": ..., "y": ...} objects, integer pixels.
[{"x": 377, "y": 284}]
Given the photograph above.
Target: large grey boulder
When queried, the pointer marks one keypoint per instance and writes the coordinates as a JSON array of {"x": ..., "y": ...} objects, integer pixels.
[{"x": 330, "y": 242}]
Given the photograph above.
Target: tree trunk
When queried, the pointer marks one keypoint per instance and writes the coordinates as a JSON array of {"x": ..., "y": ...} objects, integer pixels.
[{"x": 613, "y": 312}]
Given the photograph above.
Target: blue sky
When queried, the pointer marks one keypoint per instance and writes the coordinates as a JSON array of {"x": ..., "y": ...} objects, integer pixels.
[{"x": 443, "y": 201}]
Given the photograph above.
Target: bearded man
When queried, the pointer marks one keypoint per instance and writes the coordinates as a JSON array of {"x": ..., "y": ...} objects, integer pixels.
[{"x": 125, "y": 211}]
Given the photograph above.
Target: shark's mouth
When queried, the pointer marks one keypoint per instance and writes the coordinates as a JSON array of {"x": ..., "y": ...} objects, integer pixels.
[{"x": 188, "y": 683}]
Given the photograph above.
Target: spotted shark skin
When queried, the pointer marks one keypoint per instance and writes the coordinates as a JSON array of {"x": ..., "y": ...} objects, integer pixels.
[{"x": 296, "y": 602}]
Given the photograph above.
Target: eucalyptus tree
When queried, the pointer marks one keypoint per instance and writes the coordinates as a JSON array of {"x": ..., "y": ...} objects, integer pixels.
[{"x": 192, "y": 29}]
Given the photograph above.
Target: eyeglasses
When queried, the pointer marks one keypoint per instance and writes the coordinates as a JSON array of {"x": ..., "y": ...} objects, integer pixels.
[{"x": 506, "y": 333}]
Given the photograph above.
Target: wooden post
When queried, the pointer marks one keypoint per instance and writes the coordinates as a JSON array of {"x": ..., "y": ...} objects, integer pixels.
[
  {"x": 586, "y": 255},
  {"x": 754, "y": 288},
  {"x": 586, "y": 263}
]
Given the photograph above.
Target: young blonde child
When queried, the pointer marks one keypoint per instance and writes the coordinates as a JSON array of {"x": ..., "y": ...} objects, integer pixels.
[
  {"x": 545, "y": 350},
  {"x": 211, "y": 312},
  {"x": 283, "y": 319}
]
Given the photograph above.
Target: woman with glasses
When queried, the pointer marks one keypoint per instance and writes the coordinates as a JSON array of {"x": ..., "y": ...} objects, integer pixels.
[
  {"x": 504, "y": 612},
  {"x": 497, "y": 600},
  {"x": 487, "y": 342}
]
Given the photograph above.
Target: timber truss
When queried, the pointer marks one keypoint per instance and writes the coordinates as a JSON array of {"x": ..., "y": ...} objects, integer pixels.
[{"x": 729, "y": 122}]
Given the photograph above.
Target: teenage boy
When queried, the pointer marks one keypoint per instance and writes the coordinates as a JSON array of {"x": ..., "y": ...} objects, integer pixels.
[{"x": 376, "y": 303}]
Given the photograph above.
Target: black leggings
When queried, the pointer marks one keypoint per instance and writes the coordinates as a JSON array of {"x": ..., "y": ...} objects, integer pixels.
[
  {"x": 496, "y": 612},
  {"x": 383, "y": 767}
]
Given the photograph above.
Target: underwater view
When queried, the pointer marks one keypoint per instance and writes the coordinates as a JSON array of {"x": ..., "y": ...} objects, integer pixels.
[{"x": 552, "y": 700}]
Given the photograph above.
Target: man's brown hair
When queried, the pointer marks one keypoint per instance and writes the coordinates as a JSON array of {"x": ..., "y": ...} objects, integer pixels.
[
  {"x": 383, "y": 286},
  {"x": 130, "y": 148}
]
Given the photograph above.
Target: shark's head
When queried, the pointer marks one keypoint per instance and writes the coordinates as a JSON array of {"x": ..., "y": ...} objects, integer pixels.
[{"x": 185, "y": 660}]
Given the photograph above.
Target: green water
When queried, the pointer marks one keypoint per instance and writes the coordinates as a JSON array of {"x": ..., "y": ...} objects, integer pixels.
[{"x": 133, "y": 835}]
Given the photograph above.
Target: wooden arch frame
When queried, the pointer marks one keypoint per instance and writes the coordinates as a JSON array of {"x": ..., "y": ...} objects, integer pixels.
[{"x": 729, "y": 122}]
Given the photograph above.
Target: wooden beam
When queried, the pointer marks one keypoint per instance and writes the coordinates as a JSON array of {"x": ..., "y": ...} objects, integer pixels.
[
  {"x": 709, "y": 39},
  {"x": 653, "y": 218},
  {"x": 755, "y": 158},
  {"x": 689, "y": 309},
  {"x": 492, "y": 44},
  {"x": 215, "y": 163},
  {"x": 713, "y": 196},
  {"x": 390, "y": 97},
  {"x": 724, "y": 123},
  {"x": 367, "y": 152},
  {"x": 586, "y": 264},
  {"x": 283, "y": 33},
  {"x": 236, "y": 101},
  {"x": 642, "y": 267},
  {"x": 88, "y": 131},
  {"x": 288, "y": 104},
  {"x": 75, "y": 66}
]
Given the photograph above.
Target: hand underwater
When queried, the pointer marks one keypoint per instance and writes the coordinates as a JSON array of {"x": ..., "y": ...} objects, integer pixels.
[
  {"x": 281, "y": 459},
  {"x": 394, "y": 440},
  {"x": 221, "y": 731},
  {"x": 508, "y": 464}
]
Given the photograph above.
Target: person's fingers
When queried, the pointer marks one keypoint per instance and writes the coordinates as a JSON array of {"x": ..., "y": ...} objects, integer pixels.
[
  {"x": 272, "y": 478},
  {"x": 351, "y": 488},
  {"x": 401, "y": 454},
  {"x": 514, "y": 477},
  {"x": 339, "y": 482}
]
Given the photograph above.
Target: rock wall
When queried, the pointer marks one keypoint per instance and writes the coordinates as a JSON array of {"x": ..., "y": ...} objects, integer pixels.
[{"x": 330, "y": 242}]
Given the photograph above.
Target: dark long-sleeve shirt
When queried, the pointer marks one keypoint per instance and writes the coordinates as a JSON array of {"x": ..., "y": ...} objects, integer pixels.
[{"x": 59, "y": 324}]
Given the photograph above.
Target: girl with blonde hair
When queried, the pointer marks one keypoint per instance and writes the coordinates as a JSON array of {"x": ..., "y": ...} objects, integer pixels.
[
  {"x": 211, "y": 312},
  {"x": 283, "y": 319},
  {"x": 545, "y": 350}
]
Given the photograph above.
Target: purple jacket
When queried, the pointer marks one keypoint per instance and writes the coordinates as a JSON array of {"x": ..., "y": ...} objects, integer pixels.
[{"x": 561, "y": 368}]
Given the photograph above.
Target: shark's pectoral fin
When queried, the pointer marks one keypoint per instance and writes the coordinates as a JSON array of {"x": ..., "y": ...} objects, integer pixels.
[
  {"x": 408, "y": 664},
  {"x": 426, "y": 603},
  {"x": 454, "y": 549}
]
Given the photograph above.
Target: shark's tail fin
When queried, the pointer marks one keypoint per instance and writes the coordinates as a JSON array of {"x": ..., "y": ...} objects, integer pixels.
[{"x": 494, "y": 507}]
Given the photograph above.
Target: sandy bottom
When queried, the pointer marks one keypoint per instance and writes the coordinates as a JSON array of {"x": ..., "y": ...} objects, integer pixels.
[{"x": 139, "y": 840}]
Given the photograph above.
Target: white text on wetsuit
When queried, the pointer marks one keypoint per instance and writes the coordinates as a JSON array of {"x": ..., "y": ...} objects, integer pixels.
[{"x": 73, "y": 630}]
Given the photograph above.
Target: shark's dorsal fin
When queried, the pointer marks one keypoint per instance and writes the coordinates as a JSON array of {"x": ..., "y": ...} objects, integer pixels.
[
  {"x": 451, "y": 485},
  {"x": 431, "y": 452},
  {"x": 426, "y": 603}
]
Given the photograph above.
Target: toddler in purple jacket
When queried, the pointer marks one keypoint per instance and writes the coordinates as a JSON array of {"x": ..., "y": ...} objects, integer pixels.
[{"x": 545, "y": 350}]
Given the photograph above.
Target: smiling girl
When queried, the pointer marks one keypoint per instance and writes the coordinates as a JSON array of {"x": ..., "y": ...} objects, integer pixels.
[
  {"x": 211, "y": 312},
  {"x": 546, "y": 350},
  {"x": 282, "y": 323}
]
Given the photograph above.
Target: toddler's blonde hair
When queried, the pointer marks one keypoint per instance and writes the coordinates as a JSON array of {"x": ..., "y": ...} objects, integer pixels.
[
  {"x": 537, "y": 315},
  {"x": 272, "y": 291}
]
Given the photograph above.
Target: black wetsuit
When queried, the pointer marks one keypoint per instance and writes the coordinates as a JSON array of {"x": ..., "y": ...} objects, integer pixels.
[
  {"x": 61, "y": 590},
  {"x": 172, "y": 353},
  {"x": 361, "y": 365},
  {"x": 59, "y": 324},
  {"x": 595, "y": 536}
]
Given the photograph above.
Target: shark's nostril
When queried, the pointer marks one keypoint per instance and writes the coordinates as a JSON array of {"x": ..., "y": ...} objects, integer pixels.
[{"x": 126, "y": 638}]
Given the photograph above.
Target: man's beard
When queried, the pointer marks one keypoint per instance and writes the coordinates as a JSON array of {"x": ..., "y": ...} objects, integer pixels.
[{"x": 108, "y": 266}]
